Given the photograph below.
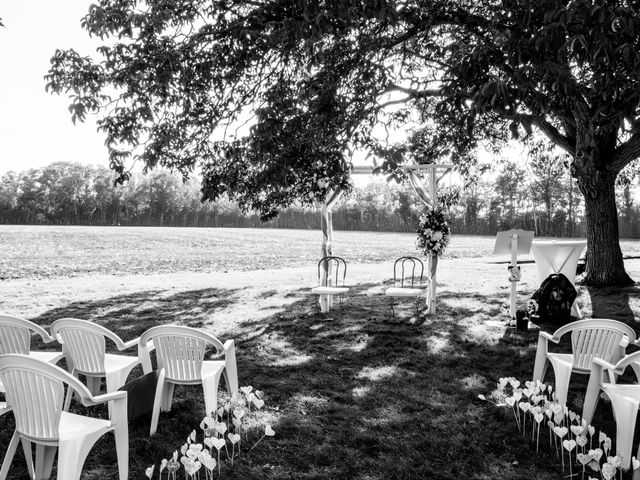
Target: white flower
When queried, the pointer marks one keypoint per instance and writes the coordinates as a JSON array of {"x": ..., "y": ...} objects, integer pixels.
[{"x": 437, "y": 236}]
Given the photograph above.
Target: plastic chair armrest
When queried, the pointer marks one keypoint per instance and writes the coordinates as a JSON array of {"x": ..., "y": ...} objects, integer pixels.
[
  {"x": 129, "y": 344},
  {"x": 49, "y": 339},
  {"x": 134, "y": 342},
  {"x": 117, "y": 409},
  {"x": 549, "y": 337},
  {"x": 104, "y": 398},
  {"x": 629, "y": 359},
  {"x": 607, "y": 365}
]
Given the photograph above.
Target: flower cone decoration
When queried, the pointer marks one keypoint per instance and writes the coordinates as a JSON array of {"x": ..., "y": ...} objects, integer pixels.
[
  {"x": 567, "y": 431},
  {"x": 241, "y": 415}
]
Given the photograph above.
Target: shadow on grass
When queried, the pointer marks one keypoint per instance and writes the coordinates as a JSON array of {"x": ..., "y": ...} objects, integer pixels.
[
  {"x": 356, "y": 394},
  {"x": 613, "y": 302},
  {"x": 130, "y": 315}
]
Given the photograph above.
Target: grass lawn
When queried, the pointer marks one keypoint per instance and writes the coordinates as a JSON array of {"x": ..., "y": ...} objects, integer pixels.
[{"x": 357, "y": 395}]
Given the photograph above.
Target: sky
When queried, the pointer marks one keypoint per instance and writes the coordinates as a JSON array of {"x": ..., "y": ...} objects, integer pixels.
[{"x": 35, "y": 126}]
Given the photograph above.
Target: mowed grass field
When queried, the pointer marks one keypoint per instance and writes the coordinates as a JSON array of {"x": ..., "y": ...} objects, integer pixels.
[
  {"x": 53, "y": 252},
  {"x": 69, "y": 251},
  {"x": 353, "y": 394}
]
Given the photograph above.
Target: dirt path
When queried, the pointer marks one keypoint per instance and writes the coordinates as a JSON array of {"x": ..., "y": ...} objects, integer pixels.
[{"x": 261, "y": 293}]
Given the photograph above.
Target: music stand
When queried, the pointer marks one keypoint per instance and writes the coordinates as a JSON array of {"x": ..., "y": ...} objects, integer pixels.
[{"x": 514, "y": 242}]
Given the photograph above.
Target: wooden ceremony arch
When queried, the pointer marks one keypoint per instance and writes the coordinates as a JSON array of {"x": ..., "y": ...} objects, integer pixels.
[{"x": 428, "y": 196}]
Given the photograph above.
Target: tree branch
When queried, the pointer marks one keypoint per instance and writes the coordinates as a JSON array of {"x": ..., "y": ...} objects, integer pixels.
[
  {"x": 414, "y": 93},
  {"x": 554, "y": 135},
  {"x": 626, "y": 153}
]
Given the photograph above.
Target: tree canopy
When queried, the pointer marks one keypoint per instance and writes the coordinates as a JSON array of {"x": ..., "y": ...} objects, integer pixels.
[{"x": 316, "y": 80}]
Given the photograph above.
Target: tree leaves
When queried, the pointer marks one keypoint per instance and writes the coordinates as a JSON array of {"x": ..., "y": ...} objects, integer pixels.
[{"x": 286, "y": 88}]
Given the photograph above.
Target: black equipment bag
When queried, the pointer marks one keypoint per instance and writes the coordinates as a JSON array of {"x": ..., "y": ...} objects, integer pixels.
[
  {"x": 554, "y": 299},
  {"x": 140, "y": 395}
]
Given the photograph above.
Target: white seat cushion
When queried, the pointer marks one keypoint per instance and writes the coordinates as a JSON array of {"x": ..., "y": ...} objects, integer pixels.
[
  {"x": 329, "y": 290},
  {"x": 404, "y": 292}
]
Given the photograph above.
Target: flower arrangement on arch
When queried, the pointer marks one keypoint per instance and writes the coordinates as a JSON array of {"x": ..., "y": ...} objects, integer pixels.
[{"x": 433, "y": 232}]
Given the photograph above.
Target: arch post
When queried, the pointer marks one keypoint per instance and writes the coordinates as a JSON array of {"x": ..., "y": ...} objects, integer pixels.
[
  {"x": 429, "y": 198},
  {"x": 326, "y": 222}
]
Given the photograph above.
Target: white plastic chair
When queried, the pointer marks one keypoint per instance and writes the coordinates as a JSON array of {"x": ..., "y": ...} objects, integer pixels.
[
  {"x": 408, "y": 273},
  {"x": 180, "y": 357},
  {"x": 592, "y": 338},
  {"x": 35, "y": 390},
  {"x": 330, "y": 281},
  {"x": 83, "y": 343},
  {"x": 15, "y": 337},
  {"x": 625, "y": 401}
]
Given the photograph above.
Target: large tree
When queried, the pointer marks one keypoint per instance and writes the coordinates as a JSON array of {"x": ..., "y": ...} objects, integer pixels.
[{"x": 315, "y": 78}]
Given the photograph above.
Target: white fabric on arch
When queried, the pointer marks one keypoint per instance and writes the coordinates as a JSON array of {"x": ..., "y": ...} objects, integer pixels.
[{"x": 418, "y": 187}]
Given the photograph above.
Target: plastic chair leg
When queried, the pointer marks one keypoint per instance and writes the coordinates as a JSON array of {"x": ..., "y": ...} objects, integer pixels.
[
  {"x": 625, "y": 412},
  {"x": 93, "y": 384},
  {"x": 540, "y": 366},
  {"x": 45, "y": 455},
  {"x": 167, "y": 397},
  {"x": 562, "y": 375},
  {"x": 231, "y": 368},
  {"x": 210, "y": 389},
  {"x": 231, "y": 380},
  {"x": 121, "y": 434},
  {"x": 591, "y": 398},
  {"x": 72, "y": 454},
  {"x": 8, "y": 457},
  {"x": 114, "y": 380},
  {"x": 156, "y": 403},
  {"x": 26, "y": 448}
]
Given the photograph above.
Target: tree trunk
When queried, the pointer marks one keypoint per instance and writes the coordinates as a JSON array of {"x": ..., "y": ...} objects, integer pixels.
[{"x": 605, "y": 265}]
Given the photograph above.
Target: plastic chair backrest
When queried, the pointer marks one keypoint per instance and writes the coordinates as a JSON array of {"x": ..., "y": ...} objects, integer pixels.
[
  {"x": 180, "y": 350},
  {"x": 84, "y": 342},
  {"x": 325, "y": 264},
  {"x": 35, "y": 391},
  {"x": 15, "y": 334},
  {"x": 404, "y": 270},
  {"x": 598, "y": 338}
]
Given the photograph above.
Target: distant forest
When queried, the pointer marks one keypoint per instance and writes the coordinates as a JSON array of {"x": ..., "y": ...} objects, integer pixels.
[{"x": 538, "y": 196}]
